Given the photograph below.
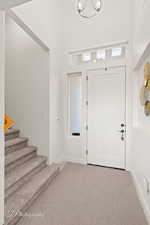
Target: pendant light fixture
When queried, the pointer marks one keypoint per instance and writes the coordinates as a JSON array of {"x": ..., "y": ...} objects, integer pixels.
[{"x": 89, "y": 8}]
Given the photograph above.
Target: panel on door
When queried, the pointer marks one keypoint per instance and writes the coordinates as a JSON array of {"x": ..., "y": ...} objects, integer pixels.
[{"x": 106, "y": 117}]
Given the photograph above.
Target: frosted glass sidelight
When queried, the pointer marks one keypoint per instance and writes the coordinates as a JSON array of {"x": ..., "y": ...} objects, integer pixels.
[{"x": 75, "y": 104}]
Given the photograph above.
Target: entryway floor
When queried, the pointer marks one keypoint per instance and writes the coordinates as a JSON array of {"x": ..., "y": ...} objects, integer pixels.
[{"x": 87, "y": 195}]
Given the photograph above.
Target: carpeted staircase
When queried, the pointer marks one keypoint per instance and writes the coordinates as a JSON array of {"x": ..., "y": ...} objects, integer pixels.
[{"x": 26, "y": 175}]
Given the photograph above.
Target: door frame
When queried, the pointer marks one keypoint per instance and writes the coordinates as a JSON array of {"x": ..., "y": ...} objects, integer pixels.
[
  {"x": 87, "y": 105},
  {"x": 126, "y": 62},
  {"x": 83, "y": 70},
  {"x": 96, "y": 66}
]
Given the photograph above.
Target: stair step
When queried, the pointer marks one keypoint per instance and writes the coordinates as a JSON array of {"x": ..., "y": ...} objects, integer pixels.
[
  {"x": 11, "y": 134},
  {"x": 20, "y": 175},
  {"x": 17, "y": 158},
  {"x": 15, "y": 144},
  {"x": 18, "y": 204}
]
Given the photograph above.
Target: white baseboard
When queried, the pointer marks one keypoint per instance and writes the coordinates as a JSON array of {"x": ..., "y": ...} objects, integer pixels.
[
  {"x": 59, "y": 159},
  {"x": 80, "y": 161},
  {"x": 142, "y": 199}
]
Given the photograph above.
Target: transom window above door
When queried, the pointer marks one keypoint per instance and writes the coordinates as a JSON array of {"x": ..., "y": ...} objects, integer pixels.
[{"x": 94, "y": 55}]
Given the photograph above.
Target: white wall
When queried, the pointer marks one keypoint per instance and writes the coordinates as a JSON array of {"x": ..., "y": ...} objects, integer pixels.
[
  {"x": 60, "y": 27},
  {"x": 27, "y": 86},
  {"x": 141, "y": 34},
  {"x": 112, "y": 25},
  {"x": 140, "y": 141},
  {"x": 45, "y": 20},
  {"x": 141, "y": 123},
  {"x": 2, "y": 63}
]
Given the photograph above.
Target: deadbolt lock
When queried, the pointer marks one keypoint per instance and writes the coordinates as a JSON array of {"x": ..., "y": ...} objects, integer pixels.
[{"x": 121, "y": 131}]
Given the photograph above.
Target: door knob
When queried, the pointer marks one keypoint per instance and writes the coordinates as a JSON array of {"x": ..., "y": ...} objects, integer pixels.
[{"x": 122, "y": 134}]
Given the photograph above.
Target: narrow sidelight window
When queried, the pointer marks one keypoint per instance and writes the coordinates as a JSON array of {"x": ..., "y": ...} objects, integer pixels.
[{"x": 74, "y": 83}]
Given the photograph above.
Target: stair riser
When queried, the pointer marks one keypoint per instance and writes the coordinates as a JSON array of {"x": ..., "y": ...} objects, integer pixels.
[
  {"x": 11, "y": 136},
  {"x": 23, "y": 180},
  {"x": 16, "y": 218},
  {"x": 20, "y": 161},
  {"x": 16, "y": 147}
]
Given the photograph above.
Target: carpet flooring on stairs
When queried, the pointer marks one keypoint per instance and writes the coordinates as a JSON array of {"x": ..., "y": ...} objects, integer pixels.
[
  {"x": 27, "y": 175},
  {"x": 87, "y": 195}
]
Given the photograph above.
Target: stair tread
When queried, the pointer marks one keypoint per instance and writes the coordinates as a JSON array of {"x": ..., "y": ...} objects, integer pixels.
[
  {"x": 19, "y": 172},
  {"x": 12, "y": 157},
  {"x": 11, "y": 131},
  {"x": 19, "y": 201},
  {"x": 15, "y": 141}
]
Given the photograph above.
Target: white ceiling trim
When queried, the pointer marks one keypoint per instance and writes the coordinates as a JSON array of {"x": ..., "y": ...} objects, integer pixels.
[
  {"x": 20, "y": 23},
  {"x": 7, "y": 4}
]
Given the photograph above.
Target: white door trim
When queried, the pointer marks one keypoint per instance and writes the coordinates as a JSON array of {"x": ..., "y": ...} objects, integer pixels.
[
  {"x": 96, "y": 69},
  {"x": 128, "y": 64},
  {"x": 84, "y": 69}
]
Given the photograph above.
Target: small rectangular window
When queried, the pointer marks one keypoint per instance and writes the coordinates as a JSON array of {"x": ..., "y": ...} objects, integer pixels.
[
  {"x": 101, "y": 55},
  {"x": 86, "y": 57},
  {"x": 97, "y": 55},
  {"x": 116, "y": 52},
  {"x": 74, "y": 81}
]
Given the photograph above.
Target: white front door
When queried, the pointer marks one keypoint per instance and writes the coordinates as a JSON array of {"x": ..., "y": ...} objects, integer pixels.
[{"x": 106, "y": 117}]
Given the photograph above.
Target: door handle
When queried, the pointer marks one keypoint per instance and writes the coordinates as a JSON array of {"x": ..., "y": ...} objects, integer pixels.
[{"x": 122, "y": 134}]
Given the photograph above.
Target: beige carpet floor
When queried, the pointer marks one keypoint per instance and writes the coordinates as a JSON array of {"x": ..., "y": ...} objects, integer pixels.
[{"x": 87, "y": 195}]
